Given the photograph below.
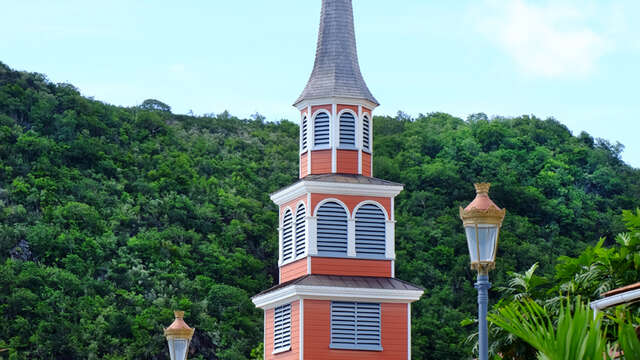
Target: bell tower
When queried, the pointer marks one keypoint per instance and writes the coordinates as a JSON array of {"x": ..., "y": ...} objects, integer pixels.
[{"x": 337, "y": 296}]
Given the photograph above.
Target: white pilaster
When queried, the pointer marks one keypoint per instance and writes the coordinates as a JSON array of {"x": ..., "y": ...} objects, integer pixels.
[
  {"x": 279, "y": 246},
  {"x": 390, "y": 229},
  {"x": 312, "y": 226},
  {"x": 334, "y": 140},
  {"x": 409, "y": 331},
  {"x": 310, "y": 138},
  {"x": 301, "y": 332},
  {"x": 294, "y": 238},
  {"x": 393, "y": 209},
  {"x": 351, "y": 237},
  {"x": 306, "y": 236},
  {"x": 359, "y": 133},
  {"x": 371, "y": 141},
  {"x": 300, "y": 152}
]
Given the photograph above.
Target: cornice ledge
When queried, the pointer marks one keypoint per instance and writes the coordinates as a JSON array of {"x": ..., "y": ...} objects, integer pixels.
[
  {"x": 320, "y": 187},
  {"x": 295, "y": 292}
]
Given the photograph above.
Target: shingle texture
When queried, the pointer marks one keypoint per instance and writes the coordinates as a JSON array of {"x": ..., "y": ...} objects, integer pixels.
[
  {"x": 349, "y": 178},
  {"x": 336, "y": 72},
  {"x": 359, "y": 282}
]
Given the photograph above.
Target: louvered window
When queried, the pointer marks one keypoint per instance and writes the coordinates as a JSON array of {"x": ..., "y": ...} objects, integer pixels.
[
  {"x": 370, "y": 232},
  {"x": 347, "y": 130},
  {"x": 321, "y": 130},
  {"x": 366, "y": 126},
  {"x": 301, "y": 241},
  {"x": 287, "y": 236},
  {"x": 282, "y": 328},
  {"x": 303, "y": 145},
  {"x": 355, "y": 326},
  {"x": 332, "y": 229}
]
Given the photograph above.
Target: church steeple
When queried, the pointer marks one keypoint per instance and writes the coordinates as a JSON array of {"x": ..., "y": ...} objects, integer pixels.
[
  {"x": 336, "y": 72},
  {"x": 337, "y": 296}
]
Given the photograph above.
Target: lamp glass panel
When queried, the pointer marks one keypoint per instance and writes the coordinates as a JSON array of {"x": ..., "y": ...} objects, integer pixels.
[
  {"x": 487, "y": 234},
  {"x": 171, "y": 353},
  {"x": 471, "y": 242},
  {"x": 178, "y": 348}
]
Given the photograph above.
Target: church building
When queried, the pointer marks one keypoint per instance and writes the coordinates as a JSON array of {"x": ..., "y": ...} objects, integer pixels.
[{"x": 337, "y": 296}]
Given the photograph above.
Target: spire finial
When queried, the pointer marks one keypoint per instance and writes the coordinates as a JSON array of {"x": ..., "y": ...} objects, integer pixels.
[{"x": 336, "y": 72}]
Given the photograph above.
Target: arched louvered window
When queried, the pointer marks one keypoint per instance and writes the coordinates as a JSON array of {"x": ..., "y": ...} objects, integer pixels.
[
  {"x": 370, "y": 231},
  {"x": 347, "y": 129},
  {"x": 287, "y": 236},
  {"x": 303, "y": 138},
  {"x": 321, "y": 130},
  {"x": 366, "y": 136},
  {"x": 301, "y": 240},
  {"x": 332, "y": 229}
]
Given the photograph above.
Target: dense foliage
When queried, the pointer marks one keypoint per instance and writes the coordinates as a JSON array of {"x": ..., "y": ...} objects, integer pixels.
[
  {"x": 111, "y": 217},
  {"x": 595, "y": 270}
]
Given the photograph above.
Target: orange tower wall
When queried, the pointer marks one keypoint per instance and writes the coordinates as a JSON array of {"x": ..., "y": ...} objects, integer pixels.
[
  {"x": 347, "y": 162},
  {"x": 366, "y": 164},
  {"x": 350, "y": 267},
  {"x": 351, "y": 201},
  {"x": 317, "y": 333},
  {"x": 304, "y": 168},
  {"x": 293, "y": 205},
  {"x": 321, "y": 162},
  {"x": 293, "y": 270}
]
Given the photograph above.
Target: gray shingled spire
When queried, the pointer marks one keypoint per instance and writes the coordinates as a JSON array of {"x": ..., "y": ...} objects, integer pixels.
[{"x": 336, "y": 72}]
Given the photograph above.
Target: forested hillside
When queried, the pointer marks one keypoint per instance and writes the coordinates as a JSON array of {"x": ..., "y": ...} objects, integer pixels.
[{"x": 111, "y": 217}]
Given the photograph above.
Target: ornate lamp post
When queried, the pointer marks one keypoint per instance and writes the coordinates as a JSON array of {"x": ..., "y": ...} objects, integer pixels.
[
  {"x": 178, "y": 336},
  {"x": 482, "y": 220}
]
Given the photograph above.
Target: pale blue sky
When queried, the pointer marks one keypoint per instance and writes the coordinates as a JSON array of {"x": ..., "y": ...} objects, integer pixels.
[{"x": 574, "y": 60}]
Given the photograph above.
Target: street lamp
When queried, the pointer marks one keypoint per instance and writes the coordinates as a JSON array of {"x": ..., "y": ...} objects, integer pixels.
[
  {"x": 178, "y": 336},
  {"x": 482, "y": 220}
]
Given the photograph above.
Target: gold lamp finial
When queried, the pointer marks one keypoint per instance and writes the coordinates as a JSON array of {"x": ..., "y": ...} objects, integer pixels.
[{"x": 482, "y": 188}]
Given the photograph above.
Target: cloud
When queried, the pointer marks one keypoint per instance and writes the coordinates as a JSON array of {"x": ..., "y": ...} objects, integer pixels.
[{"x": 550, "y": 39}]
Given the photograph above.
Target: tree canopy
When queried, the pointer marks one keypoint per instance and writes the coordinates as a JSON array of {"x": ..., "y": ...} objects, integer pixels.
[{"x": 111, "y": 217}]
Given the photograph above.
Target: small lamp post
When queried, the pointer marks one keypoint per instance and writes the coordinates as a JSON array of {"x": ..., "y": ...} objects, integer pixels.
[
  {"x": 178, "y": 336},
  {"x": 482, "y": 220}
]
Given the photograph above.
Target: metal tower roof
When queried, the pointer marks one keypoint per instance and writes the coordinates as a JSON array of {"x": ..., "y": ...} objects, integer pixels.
[{"x": 336, "y": 72}]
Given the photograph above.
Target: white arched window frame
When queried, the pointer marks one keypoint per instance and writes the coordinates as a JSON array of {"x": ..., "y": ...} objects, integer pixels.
[
  {"x": 322, "y": 130},
  {"x": 332, "y": 228},
  {"x": 304, "y": 133},
  {"x": 287, "y": 236},
  {"x": 348, "y": 125},
  {"x": 367, "y": 138},
  {"x": 372, "y": 231},
  {"x": 300, "y": 231}
]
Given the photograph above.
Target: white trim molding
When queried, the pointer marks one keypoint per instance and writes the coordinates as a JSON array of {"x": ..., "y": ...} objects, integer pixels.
[
  {"x": 613, "y": 300},
  {"x": 295, "y": 292},
  {"x": 372, "y": 202},
  {"x": 304, "y": 187},
  {"x": 336, "y": 100}
]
